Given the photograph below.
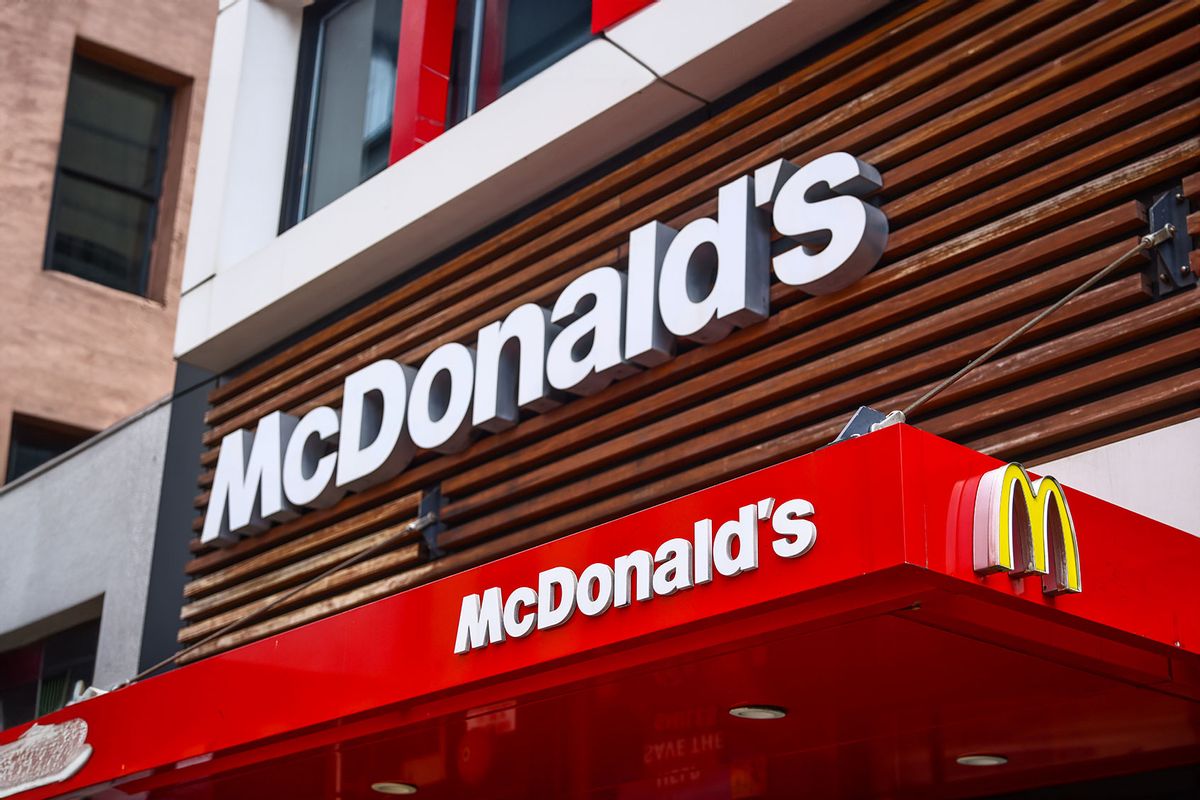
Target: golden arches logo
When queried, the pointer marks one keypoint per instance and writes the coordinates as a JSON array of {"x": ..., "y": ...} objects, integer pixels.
[{"x": 1024, "y": 527}]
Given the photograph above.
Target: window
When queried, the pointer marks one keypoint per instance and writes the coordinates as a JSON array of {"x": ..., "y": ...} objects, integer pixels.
[
  {"x": 499, "y": 44},
  {"x": 345, "y": 92},
  {"x": 39, "y": 678},
  {"x": 359, "y": 106},
  {"x": 33, "y": 443},
  {"x": 109, "y": 176}
]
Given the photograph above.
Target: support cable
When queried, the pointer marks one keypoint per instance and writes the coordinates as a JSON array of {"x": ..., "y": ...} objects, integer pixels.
[
  {"x": 418, "y": 524},
  {"x": 702, "y": 101},
  {"x": 1147, "y": 242}
]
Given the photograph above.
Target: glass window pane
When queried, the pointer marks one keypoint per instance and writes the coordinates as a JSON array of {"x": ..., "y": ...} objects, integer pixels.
[
  {"x": 18, "y": 704},
  {"x": 20, "y": 670},
  {"x": 539, "y": 32},
  {"x": 54, "y": 693},
  {"x": 497, "y": 46},
  {"x": 355, "y": 85},
  {"x": 39, "y": 678},
  {"x": 74, "y": 648},
  {"x": 109, "y": 176},
  {"x": 113, "y": 127},
  {"x": 381, "y": 87},
  {"x": 68, "y": 657},
  {"x": 100, "y": 234},
  {"x": 463, "y": 63},
  {"x": 32, "y": 444}
]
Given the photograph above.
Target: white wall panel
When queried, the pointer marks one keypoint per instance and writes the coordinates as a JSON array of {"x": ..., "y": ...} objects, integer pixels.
[
  {"x": 1153, "y": 474},
  {"x": 709, "y": 47}
]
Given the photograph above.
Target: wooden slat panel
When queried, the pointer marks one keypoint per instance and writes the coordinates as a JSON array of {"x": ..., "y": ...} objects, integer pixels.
[
  {"x": 601, "y": 482},
  {"x": 1109, "y": 116},
  {"x": 1071, "y": 99},
  {"x": 880, "y": 284},
  {"x": 1018, "y": 143},
  {"x": 1037, "y": 217},
  {"x": 1088, "y": 195},
  {"x": 1049, "y": 177},
  {"x": 1164, "y": 55},
  {"x": 1112, "y": 333},
  {"x": 1191, "y": 186},
  {"x": 323, "y": 529},
  {"x": 905, "y": 41},
  {"x": 431, "y": 312},
  {"x": 1123, "y": 219},
  {"x": 425, "y": 332},
  {"x": 1183, "y": 390},
  {"x": 1014, "y": 407},
  {"x": 842, "y": 365},
  {"x": 1066, "y": 139},
  {"x": 365, "y": 570},
  {"x": 286, "y": 576}
]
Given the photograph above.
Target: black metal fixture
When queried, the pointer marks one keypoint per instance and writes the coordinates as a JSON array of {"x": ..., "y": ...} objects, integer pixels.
[{"x": 1169, "y": 271}]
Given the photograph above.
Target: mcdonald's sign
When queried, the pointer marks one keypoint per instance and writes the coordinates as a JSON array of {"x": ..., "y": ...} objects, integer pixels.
[{"x": 1024, "y": 527}]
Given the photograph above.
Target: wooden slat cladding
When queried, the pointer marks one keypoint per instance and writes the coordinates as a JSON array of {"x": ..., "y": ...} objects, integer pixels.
[
  {"x": 550, "y": 258},
  {"x": 1018, "y": 144}
]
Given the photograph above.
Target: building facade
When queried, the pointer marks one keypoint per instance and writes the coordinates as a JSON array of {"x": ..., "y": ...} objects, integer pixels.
[
  {"x": 102, "y": 104},
  {"x": 101, "y": 127},
  {"x": 498, "y": 298},
  {"x": 984, "y": 192}
]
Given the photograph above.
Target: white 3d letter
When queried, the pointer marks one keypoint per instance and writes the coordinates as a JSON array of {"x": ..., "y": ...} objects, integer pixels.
[
  {"x": 247, "y": 488},
  {"x": 309, "y": 464},
  {"x": 560, "y": 581},
  {"x": 510, "y": 368},
  {"x": 716, "y": 273},
  {"x": 647, "y": 340},
  {"x": 439, "y": 415},
  {"x": 373, "y": 445},
  {"x": 798, "y": 534},
  {"x": 480, "y": 623},
  {"x": 586, "y": 355},
  {"x": 840, "y": 237}
]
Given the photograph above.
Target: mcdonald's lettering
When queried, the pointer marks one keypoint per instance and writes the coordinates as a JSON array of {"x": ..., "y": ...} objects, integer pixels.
[{"x": 1024, "y": 527}]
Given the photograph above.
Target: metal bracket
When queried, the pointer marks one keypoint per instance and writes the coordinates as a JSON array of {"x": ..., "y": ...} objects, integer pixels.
[
  {"x": 860, "y": 424},
  {"x": 1169, "y": 270},
  {"x": 432, "y": 503}
]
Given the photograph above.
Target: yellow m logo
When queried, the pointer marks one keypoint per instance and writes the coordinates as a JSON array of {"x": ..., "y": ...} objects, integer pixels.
[{"x": 1024, "y": 527}]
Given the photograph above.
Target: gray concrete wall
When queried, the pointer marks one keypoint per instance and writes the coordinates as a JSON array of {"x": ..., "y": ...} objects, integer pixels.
[{"x": 78, "y": 534}]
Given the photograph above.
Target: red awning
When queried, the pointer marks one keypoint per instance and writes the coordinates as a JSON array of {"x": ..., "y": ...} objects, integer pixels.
[{"x": 891, "y": 655}]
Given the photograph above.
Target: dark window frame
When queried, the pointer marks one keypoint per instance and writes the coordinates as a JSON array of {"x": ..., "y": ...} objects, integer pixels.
[
  {"x": 40, "y": 427},
  {"x": 301, "y": 132},
  {"x": 299, "y": 135},
  {"x": 478, "y": 58},
  {"x": 424, "y": 103},
  {"x": 154, "y": 198},
  {"x": 80, "y": 665}
]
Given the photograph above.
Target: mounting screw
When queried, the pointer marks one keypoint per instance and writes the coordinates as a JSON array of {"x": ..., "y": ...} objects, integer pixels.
[
  {"x": 1184, "y": 270},
  {"x": 1164, "y": 276},
  {"x": 1179, "y": 196},
  {"x": 1170, "y": 228}
]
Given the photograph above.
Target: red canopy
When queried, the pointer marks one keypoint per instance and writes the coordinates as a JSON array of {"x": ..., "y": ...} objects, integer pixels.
[{"x": 892, "y": 657}]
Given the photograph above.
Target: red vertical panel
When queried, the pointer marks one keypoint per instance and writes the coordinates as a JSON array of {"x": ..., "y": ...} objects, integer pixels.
[
  {"x": 606, "y": 13},
  {"x": 422, "y": 74}
]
